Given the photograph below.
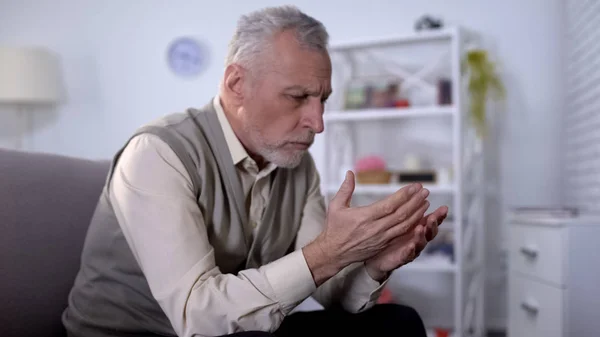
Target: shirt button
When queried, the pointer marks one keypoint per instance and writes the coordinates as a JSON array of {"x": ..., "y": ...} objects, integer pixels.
[{"x": 253, "y": 224}]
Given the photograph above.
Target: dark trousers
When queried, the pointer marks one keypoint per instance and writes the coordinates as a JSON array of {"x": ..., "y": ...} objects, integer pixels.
[{"x": 380, "y": 321}]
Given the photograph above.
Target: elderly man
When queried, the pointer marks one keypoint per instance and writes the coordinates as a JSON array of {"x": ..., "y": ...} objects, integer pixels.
[{"x": 211, "y": 221}]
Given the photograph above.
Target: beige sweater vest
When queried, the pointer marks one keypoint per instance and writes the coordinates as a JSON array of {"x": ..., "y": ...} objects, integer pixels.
[{"x": 111, "y": 297}]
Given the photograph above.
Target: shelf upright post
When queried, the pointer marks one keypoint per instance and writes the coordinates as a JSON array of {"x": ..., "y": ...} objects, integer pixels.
[{"x": 457, "y": 139}]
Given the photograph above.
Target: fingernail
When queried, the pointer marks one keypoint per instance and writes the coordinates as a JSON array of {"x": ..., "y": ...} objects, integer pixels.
[
  {"x": 412, "y": 189},
  {"x": 425, "y": 192}
]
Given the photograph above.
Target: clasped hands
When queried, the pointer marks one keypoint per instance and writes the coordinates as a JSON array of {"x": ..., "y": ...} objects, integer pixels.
[{"x": 384, "y": 235}]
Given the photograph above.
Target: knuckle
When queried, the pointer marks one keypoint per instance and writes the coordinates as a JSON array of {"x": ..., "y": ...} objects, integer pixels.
[
  {"x": 401, "y": 215},
  {"x": 401, "y": 229},
  {"x": 387, "y": 208},
  {"x": 403, "y": 197}
]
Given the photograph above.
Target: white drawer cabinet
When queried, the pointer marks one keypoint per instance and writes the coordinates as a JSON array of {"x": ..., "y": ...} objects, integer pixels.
[
  {"x": 554, "y": 278},
  {"x": 539, "y": 252}
]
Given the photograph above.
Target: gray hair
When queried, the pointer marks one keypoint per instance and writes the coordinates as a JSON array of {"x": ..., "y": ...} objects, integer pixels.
[{"x": 255, "y": 30}]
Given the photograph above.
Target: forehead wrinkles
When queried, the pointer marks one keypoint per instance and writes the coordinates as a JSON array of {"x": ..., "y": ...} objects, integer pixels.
[{"x": 302, "y": 71}]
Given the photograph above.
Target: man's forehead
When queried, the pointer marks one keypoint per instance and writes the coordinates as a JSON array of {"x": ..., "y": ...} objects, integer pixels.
[
  {"x": 303, "y": 76},
  {"x": 297, "y": 67}
]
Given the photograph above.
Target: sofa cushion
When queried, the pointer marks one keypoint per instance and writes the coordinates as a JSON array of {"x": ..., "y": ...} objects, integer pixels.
[{"x": 46, "y": 203}]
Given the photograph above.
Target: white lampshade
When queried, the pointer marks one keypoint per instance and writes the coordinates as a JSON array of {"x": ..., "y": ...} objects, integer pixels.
[{"x": 30, "y": 75}]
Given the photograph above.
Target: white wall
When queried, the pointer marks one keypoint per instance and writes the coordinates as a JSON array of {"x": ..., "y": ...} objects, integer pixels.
[{"x": 114, "y": 58}]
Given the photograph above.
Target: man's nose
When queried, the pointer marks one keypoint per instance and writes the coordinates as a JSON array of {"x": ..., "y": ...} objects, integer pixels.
[{"x": 313, "y": 117}]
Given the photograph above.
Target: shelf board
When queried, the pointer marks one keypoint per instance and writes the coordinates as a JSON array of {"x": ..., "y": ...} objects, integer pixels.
[
  {"x": 390, "y": 188},
  {"x": 389, "y": 113},
  {"x": 387, "y": 41}
]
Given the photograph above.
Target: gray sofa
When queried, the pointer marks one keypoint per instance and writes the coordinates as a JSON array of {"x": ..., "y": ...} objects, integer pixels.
[{"x": 46, "y": 202}]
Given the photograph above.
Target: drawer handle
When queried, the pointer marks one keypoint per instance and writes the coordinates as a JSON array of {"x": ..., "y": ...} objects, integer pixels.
[
  {"x": 530, "y": 307},
  {"x": 529, "y": 251}
]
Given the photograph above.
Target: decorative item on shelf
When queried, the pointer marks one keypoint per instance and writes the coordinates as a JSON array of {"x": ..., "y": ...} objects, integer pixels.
[
  {"x": 443, "y": 176},
  {"x": 372, "y": 170},
  {"x": 441, "y": 332},
  {"x": 444, "y": 89},
  {"x": 381, "y": 95},
  {"x": 483, "y": 83},
  {"x": 391, "y": 95},
  {"x": 373, "y": 93},
  {"x": 402, "y": 103},
  {"x": 421, "y": 176},
  {"x": 386, "y": 296},
  {"x": 412, "y": 172},
  {"x": 412, "y": 162},
  {"x": 355, "y": 96},
  {"x": 427, "y": 22}
]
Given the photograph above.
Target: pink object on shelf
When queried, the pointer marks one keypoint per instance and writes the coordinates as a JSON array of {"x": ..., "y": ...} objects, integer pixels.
[
  {"x": 386, "y": 296},
  {"x": 370, "y": 163},
  {"x": 442, "y": 332}
]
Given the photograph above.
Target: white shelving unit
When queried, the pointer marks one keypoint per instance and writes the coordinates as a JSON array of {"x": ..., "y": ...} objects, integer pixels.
[{"x": 353, "y": 133}]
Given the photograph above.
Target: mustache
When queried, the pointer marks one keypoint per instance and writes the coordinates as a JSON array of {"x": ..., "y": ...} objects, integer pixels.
[{"x": 309, "y": 139}]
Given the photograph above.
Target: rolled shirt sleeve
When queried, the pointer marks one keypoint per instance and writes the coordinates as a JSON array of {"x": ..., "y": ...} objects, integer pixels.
[{"x": 155, "y": 205}]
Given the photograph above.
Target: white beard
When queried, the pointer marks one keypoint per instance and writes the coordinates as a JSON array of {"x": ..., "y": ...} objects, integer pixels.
[{"x": 275, "y": 153}]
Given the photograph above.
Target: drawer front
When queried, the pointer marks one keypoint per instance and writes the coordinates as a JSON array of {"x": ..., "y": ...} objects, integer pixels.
[
  {"x": 538, "y": 252},
  {"x": 535, "y": 309}
]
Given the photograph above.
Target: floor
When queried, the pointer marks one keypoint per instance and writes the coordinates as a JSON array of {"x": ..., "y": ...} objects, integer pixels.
[{"x": 490, "y": 334}]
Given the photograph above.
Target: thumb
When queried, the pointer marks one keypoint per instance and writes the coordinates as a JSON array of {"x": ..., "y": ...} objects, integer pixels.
[{"x": 344, "y": 195}]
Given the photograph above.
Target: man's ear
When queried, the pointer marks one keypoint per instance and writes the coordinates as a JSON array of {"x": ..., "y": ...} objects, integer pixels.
[{"x": 233, "y": 83}]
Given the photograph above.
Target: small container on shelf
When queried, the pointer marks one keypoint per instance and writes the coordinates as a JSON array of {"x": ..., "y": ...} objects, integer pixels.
[
  {"x": 374, "y": 177},
  {"x": 402, "y": 103},
  {"x": 372, "y": 170},
  {"x": 444, "y": 88},
  {"x": 373, "y": 93}
]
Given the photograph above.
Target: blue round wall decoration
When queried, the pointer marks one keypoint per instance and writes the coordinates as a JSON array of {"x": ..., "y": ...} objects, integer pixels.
[{"x": 187, "y": 57}]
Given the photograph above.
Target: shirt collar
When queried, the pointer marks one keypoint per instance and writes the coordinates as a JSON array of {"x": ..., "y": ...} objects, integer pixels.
[
  {"x": 237, "y": 150},
  {"x": 238, "y": 153}
]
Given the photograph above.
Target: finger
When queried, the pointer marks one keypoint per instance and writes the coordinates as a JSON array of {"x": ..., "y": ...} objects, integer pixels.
[
  {"x": 441, "y": 213},
  {"x": 343, "y": 197},
  {"x": 423, "y": 221},
  {"x": 432, "y": 221},
  {"x": 390, "y": 204},
  {"x": 405, "y": 254},
  {"x": 431, "y": 231},
  {"x": 413, "y": 253},
  {"x": 406, "y": 212},
  {"x": 402, "y": 227},
  {"x": 420, "y": 239}
]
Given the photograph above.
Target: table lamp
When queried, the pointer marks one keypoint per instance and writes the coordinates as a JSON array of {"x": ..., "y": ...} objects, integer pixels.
[{"x": 29, "y": 77}]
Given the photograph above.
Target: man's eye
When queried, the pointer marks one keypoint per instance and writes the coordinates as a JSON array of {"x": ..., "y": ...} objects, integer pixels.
[{"x": 300, "y": 97}]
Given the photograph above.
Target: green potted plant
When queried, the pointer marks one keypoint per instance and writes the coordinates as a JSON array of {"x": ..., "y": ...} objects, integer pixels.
[{"x": 483, "y": 83}]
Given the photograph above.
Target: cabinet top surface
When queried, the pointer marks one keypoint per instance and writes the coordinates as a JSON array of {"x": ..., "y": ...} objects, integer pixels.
[{"x": 582, "y": 220}]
